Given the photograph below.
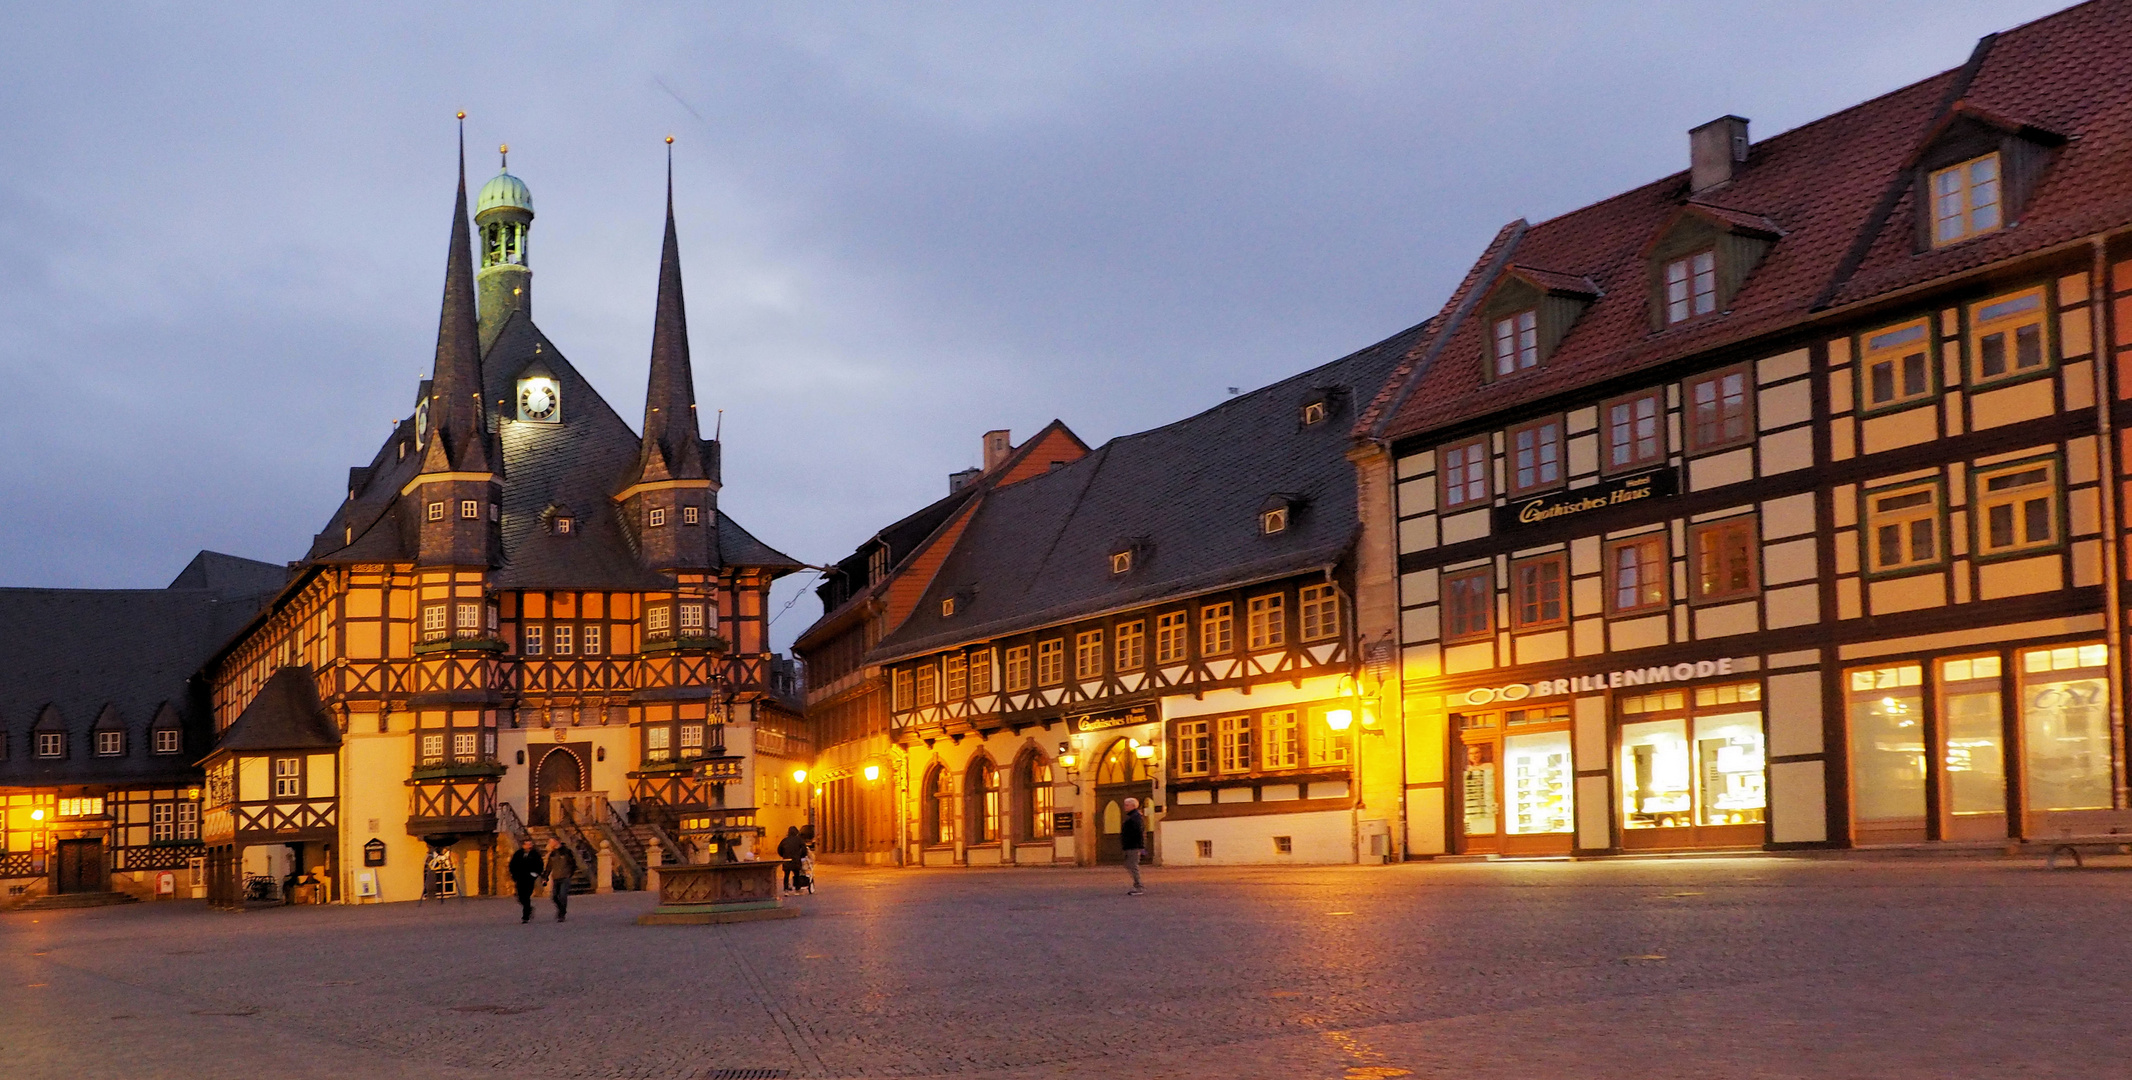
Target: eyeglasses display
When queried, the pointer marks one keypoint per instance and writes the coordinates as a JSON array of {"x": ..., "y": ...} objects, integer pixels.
[{"x": 1538, "y": 780}]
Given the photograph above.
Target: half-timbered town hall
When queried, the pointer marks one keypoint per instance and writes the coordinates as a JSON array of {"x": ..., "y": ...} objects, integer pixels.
[{"x": 523, "y": 619}]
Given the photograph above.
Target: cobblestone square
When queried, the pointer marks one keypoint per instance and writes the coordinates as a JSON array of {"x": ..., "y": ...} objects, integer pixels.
[{"x": 1680, "y": 968}]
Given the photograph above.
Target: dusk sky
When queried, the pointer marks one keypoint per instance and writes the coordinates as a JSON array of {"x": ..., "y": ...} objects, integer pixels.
[{"x": 222, "y": 229}]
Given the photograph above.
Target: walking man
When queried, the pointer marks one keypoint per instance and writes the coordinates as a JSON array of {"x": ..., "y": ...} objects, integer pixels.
[
  {"x": 1132, "y": 837},
  {"x": 562, "y": 866},
  {"x": 525, "y": 873},
  {"x": 793, "y": 849}
]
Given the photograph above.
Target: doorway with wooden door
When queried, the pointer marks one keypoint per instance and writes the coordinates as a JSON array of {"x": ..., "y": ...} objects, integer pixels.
[
  {"x": 560, "y": 770},
  {"x": 1120, "y": 775},
  {"x": 81, "y": 867}
]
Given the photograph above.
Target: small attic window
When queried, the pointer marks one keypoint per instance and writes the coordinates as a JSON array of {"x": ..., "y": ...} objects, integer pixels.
[
  {"x": 1121, "y": 562},
  {"x": 1273, "y": 520},
  {"x": 1966, "y": 200},
  {"x": 1691, "y": 286},
  {"x": 565, "y": 525},
  {"x": 1517, "y": 342},
  {"x": 947, "y": 608},
  {"x": 166, "y": 741},
  {"x": 1313, "y": 413}
]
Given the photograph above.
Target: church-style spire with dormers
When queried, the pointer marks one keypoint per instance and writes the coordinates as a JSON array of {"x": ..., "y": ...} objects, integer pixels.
[
  {"x": 669, "y": 497},
  {"x": 460, "y": 461}
]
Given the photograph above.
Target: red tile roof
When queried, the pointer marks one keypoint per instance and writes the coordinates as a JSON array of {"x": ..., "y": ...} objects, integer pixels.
[{"x": 1837, "y": 192}]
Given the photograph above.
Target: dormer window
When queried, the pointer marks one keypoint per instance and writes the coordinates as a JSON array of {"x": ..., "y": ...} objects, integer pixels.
[
  {"x": 1691, "y": 286},
  {"x": 1517, "y": 342},
  {"x": 564, "y": 526},
  {"x": 1966, "y": 200},
  {"x": 1313, "y": 413},
  {"x": 1273, "y": 521},
  {"x": 947, "y": 608},
  {"x": 1121, "y": 562},
  {"x": 877, "y": 565}
]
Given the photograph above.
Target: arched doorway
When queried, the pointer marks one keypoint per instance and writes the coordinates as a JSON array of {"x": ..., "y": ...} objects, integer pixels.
[
  {"x": 559, "y": 772},
  {"x": 1120, "y": 775}
]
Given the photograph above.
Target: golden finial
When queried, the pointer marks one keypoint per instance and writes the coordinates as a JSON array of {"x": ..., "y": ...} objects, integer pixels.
[
  {"x": 669, "y": 140},
  {"x": 505, "y": 150},
  {"x": 462, "y": 116}
]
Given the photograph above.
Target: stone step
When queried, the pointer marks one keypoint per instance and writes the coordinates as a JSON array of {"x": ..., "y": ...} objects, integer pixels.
[{"x": 57, "y": 901}]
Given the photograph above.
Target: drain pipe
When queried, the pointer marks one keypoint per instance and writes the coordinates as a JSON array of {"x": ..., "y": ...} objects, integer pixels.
[{"x": 2102, "y": 326}]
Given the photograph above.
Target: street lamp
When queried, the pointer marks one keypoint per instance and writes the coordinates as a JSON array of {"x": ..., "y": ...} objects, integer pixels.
[
  {"x": 799, "y": 776},
  {"x": 871, "y": 773},
  {"x": 1066, "y": 755}
]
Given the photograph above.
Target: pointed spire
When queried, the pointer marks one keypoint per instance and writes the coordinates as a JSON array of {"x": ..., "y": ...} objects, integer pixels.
[
  {"x": 672, "y": 441},
  {"x": 457, "y": 414}
]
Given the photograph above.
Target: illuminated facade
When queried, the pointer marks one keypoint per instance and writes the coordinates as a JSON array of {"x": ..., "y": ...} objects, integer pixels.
[
  {"x": 1773, "y": 504},
  {"x": 524, "y": 620}
]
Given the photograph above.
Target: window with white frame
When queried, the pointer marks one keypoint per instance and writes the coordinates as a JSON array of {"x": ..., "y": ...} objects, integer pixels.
[
  {"x": 470, "y": 509},
  {"x": 168, "y": 740},
  {"x": 1169, "y": 637},
  {"x": 564, "y": 640},
  {"x": 657, "y": 517},
  {"x": 1018, "y": 667},
  {"x": 904, "y": 698},
  {"x": 432, "y": 747},
  {"x": 1192, "y": 748},
  {"x": 691, "y": 620},
  {"x": 1051, "y": 662},
  {"x": 2017, "y": 507},
  {"x": 1267, "y": 623},
  {"x": 1233, "y": 744},
  {"x": 958, "y": 677},
  {"x": 51, "y": 744},
  {"x": 658, "y": 744},
  {"x": 658, "y": 621},
  {"x": 1132, "y": 646},
  {"x": 1088, "y": 654},
  {"x": 1691, "y": 286},
  {"x": 1217, "y": 629},
  {"x": 1282, "y": 746},
  {"x": 589, "y": 640},
  {"x": 288, "y": 778},
  {"x": 928, "y": 681},
  {"x": 532, "y": 639},
  {"x": 1321, "y": 612},
  {"x": 1517, "y": 342},
  {"x": 691, "y": 515},
  {"x": 436, "y": 511},
  {"x": 110, "y": 743},
  {"x": 464, "y": 746}
]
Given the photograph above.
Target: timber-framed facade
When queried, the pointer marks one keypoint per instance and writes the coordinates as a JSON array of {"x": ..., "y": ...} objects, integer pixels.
[{"x": 1809, "y": 543}]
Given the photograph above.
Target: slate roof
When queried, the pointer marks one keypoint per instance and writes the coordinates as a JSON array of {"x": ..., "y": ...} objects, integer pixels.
[
  {"x": 1186, "y": 496},
  {"x": 286, "y": 714},
  {"x": 119, "y": 655},
  {"x": 575, "y": 465},
  {"x": 1837, "y": 191}
]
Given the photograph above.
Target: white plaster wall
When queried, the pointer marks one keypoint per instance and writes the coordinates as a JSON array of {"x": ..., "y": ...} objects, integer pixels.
[{"x": 1320, "y": 837}]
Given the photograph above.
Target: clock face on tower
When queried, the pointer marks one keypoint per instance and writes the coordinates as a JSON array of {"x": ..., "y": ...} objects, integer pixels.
[{"x": 539, "y": 401}]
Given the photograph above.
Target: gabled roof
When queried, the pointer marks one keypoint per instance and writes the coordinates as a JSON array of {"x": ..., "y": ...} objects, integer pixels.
[
  {"x": 78, "y": 658},
  {"x": 1186, "y": 496},
  {"x": 287, "y": 714},
  {"x": 1838, "y": 190},
  {"x": 915, "y": 533}
]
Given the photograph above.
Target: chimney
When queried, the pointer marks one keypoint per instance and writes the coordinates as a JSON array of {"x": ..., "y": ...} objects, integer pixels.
[
  {"x": 997, "y": 447},
  {"x": 959, "y": 480},
  {"x": 1714, "y": 151}
]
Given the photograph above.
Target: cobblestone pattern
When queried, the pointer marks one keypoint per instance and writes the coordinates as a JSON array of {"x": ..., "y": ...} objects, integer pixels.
[{"x": 1653, "y": 969}]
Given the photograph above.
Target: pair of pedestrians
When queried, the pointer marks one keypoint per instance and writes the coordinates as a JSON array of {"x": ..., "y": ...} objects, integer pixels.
[{"x": 528, "y": 868}]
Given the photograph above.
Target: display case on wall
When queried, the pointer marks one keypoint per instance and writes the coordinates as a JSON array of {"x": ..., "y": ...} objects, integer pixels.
[{"x": 1538, "y": 782}]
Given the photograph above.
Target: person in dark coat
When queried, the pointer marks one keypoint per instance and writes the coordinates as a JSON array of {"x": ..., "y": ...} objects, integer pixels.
[
  {"x": 1132, "y": 838},
  {"x": 525, "y": 869},
  {"x": 562, "y": 866},
  {"x": 792, "y": 849}
]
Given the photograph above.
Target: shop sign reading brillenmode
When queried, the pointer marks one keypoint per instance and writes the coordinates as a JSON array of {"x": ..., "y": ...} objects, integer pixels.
[
  {"x": 1590, "y": 684},
  {"x": 1560, "y": 504}
]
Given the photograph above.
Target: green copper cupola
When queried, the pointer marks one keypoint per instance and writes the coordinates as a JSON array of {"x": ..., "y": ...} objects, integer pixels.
[{"x": 503, "y": 215}]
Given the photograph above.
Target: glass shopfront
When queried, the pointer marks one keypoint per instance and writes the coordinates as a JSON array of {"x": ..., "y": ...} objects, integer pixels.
[
  {"x": 1515, "y": 791},
  {"x": 1943, "y": 773},
  {"x": 1691, "y": 767}
]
